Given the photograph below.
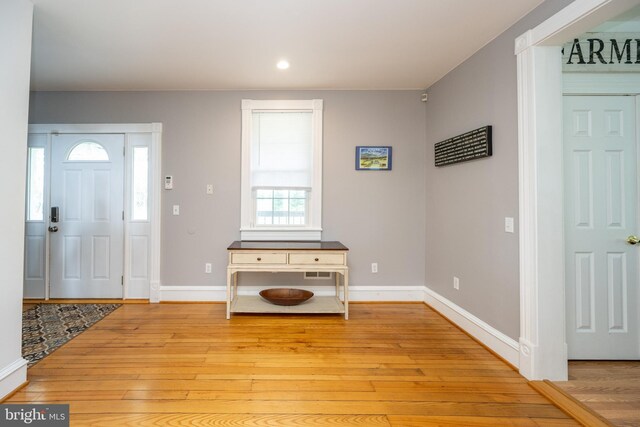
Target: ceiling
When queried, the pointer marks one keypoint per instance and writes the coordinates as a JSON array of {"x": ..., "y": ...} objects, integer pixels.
[{"x": 235, "y": 44}]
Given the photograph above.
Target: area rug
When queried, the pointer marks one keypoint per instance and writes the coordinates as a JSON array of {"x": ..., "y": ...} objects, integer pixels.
[{"x": 46, "y": 327}]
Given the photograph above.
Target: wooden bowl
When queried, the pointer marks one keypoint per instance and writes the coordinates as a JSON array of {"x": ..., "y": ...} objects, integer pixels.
[{"x": 285, "y": 296}]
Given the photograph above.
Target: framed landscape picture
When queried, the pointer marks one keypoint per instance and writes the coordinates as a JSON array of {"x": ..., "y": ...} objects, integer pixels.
[{"x": 373, "y": 158}]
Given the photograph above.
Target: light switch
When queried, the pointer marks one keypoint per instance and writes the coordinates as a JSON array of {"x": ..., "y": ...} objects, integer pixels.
[
  {"x": 209, "y": 188},
  {"x": 508, "y": 224},
  {"x": 176, "y": 209}
]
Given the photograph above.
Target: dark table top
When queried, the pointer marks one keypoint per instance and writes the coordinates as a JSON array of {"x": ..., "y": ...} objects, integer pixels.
[{"x": 283, "y": 245}]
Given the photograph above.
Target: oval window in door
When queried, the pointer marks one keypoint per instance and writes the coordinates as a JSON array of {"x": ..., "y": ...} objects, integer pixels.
[{"x": 88, "y": 151}]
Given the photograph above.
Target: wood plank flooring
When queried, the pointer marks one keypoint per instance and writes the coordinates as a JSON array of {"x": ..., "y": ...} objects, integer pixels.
[
  {"x": 27, "y": 306},
  {"x": 612, "y": 389},
  {"x": 184, "y": 364}
]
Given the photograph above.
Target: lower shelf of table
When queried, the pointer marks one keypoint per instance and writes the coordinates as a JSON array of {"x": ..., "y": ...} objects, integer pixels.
[{"x": 317, "y": 304}]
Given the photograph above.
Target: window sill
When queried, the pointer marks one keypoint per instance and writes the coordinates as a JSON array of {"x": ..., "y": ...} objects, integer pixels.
[{"x": 269, "y": 234}]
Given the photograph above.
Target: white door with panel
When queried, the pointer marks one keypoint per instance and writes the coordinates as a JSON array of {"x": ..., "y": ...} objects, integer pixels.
[
  {"x": 601, "y": 198},
  {"x": 87, "y": 241}
]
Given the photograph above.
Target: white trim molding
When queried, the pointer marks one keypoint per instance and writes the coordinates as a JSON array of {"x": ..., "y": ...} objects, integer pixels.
[
  {"x": 191, "y": 293},
  {"x": 543, "y": 351},
  {"x": 155, "y": 254},
  {"x": 356, "y": 293},
  {"x": 541, "y": 212},
  {"x": 280, "y": 234},
  {"x": 12, "y": 376},
  {"x": 96, "y": 128},
  {"x": 502, "y": 345}
]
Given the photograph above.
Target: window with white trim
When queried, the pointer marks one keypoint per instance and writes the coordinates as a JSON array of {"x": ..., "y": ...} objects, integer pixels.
[
  {"x": 88, "y": 151},
  {"x": 281, "y": 170}
]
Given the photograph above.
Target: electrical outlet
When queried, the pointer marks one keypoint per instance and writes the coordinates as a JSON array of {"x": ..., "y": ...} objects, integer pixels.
[
  {"x": 456, "y": 283},
  {"x": 209, "y": 188},
  {"x": 207, "y": 267},
  {"x": 176, "y": 209},
  {"x": 374, "y": 267}
]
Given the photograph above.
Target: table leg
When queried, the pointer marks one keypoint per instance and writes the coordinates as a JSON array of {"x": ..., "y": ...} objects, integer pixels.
[
  {"x": 229, "y": 294},
  {"x": 345, "y": 278},
  {"x": 235, "y": 285}
]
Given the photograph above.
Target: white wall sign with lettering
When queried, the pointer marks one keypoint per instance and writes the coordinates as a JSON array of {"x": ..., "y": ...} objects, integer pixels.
[{"x": 602, "y": 52}]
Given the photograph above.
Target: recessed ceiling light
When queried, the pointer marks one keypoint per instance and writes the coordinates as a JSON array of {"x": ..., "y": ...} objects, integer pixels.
[{"x": 282, "y": 64}]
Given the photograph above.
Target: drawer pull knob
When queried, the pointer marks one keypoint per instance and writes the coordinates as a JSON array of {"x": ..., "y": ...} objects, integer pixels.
[
  {"x": 259, "y": 259},
  {"x": 317, "y": 259}
]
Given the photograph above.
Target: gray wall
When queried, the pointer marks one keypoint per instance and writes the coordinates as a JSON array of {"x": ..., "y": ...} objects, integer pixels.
[
  {"x": 378, "y": 215},
  {"x": 468, "y": 202}
]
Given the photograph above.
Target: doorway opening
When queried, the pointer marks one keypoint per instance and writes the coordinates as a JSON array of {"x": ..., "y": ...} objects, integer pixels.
[
  {"x": 543, "y": 350},
  {"x": 93, "y": 212},
  {"x": 601, "y": 199}
]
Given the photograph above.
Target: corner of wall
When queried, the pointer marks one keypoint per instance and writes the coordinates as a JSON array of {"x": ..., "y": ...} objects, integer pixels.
[
  {"x": 502, "y": 345},
  {"x": 12, "y": 377}
]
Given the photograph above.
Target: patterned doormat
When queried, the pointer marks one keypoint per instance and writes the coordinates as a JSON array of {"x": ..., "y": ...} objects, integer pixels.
[{"x": 46, "y": 327}]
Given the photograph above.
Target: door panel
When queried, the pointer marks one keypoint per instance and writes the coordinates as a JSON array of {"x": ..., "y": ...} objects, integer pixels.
[
  {"x": 600, "y": 160},
  {"x": 87, "y": 250}
]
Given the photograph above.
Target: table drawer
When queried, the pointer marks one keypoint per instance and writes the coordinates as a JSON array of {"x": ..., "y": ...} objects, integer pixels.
[
  {"x": 316, "y": 258},
  {"x": 259, "y": 258}
]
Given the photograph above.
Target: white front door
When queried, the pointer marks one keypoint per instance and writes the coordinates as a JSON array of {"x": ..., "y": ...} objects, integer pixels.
[
  {"x": 86, "y": 244},
  {"x": 601, "y": 197}
]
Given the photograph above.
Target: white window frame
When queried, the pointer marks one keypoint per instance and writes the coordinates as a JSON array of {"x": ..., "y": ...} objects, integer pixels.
[{"x": 313, "y": 229}]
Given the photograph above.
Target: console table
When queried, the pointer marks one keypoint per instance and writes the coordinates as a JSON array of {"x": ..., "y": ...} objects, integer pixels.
[{"x": 284, "y": 256}]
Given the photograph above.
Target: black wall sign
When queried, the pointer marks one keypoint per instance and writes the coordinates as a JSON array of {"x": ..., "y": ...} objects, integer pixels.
[
  {"x": 471, "y": 145},
  {"x": 602, "y": 52}
]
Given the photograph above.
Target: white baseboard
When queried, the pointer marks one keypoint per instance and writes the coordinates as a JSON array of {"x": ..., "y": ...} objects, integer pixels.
[
  {"x": 504, "y": 346},
  {"x": 386, "y": 293},
  {"x": 12, "y": 376},
  {"x": 356, "y": 293},
  {"x": 192, "y": 293}
]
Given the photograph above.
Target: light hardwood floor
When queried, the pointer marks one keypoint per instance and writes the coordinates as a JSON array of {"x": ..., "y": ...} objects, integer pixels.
[
  {"x": 184, "y": 364},
  {"x": 612, "y": 389},
  {"x": 27, "y": 306}
]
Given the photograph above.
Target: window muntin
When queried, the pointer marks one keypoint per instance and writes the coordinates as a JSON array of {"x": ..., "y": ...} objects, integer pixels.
[
  {"x": 281, "y": 207},
  {"x": 88, "y": 151},
  {"x": 35, "y": 201}
]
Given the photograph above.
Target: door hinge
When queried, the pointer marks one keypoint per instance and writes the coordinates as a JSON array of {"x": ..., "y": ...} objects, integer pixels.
[
  {"x": 124, "y": 151},
  {"x": 122, "y": 280},
  {"x": 123, "y": 215}
]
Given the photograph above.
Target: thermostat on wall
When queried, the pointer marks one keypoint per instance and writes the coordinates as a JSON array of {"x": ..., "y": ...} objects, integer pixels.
[{"x": 168, "y": 182}]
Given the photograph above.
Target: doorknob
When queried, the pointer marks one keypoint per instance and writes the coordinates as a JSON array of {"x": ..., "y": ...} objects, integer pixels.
[
  {"x": 633, "y": 240},
  {"x": 53, "y": 228}
]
